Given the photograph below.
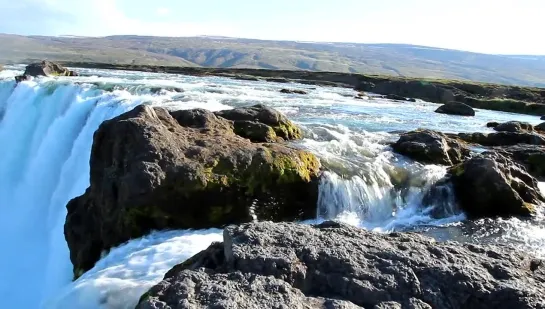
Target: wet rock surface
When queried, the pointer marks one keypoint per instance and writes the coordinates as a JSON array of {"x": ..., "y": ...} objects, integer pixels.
[
  {"x": 431, "y": 147},
  {"x": 286, "y": 265},
  {"x": 154, "y": 170},
  {"x": 456, "y": 108},
  {"x": 492, "y": 185}
]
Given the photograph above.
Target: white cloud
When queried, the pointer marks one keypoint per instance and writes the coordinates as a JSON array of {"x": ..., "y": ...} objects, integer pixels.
[{"x": 163, "y": 11}]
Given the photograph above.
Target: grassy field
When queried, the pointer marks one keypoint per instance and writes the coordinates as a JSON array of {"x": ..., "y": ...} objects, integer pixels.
[{"x": 383, "y": 59}]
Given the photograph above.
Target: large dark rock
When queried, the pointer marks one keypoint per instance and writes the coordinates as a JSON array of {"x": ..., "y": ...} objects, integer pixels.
[
  {"x": 287, "y": 265},
  {"x": 155, "y": 170},
  {"x": 431, "y": 147},
  {"x": 503, "y": 138},
  {"x": 47, "y": 68},
  {"x": 281, "y": 125},
  {"x": 514, "y": 126},
  {"x": 491, "y": 185},
  {"x": 456, "y": 108}
]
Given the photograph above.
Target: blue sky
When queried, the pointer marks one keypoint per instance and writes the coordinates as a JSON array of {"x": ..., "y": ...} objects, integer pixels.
[{"x": 490, "y": 26}]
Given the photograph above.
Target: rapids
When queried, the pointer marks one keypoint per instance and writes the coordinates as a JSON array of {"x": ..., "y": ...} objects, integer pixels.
[{"x": 46, "y": 131}]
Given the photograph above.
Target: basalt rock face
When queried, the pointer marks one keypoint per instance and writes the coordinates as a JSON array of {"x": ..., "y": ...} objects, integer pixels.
[
  {"x": 287, "y": 265},
  {"x": 456, "y": 108},
  {"x": 492, "y": 185},
  {"x": 431, "y": 147},
  {"x": 153, "y": 170}
]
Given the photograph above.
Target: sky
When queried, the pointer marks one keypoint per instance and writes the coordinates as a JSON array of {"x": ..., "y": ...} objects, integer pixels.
[{"x": 488, "y": 26}]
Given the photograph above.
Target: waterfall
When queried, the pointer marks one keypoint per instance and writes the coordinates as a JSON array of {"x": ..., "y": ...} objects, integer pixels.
[
  {"x": 46, "y": 134},
  {"x": 46, "y": 131}
]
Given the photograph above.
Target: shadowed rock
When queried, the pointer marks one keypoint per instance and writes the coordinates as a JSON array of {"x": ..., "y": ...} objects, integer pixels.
[
  {"x": 492, "y": 124},
  {"x": 491, "y": 185},
  {"x": 530, "y": 156},
  {"x": 155, "y": 170},
  {"x": 431, "y": 147},
  {"x": 540, "y": 127},
  {"x": 456, "y": 108},
  {"x": 331, "y": 265}
]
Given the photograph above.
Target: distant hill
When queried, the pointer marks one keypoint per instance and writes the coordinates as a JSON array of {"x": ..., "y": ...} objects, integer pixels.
[{"x": 384, "y": 59}]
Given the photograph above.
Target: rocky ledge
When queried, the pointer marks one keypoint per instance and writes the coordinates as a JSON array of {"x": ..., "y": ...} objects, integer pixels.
[
  {"x": 498, "y": 182},
  {"x": 44, "y": 68},
  {"x": 287, "y": 265},
  {"x": 152, "y": 169}
]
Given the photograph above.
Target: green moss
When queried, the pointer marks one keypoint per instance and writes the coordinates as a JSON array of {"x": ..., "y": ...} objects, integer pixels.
[
  {"x": 288, "y": 130},
  {"x": 457, "y": 170},
  {"x": 144, "y": 297},
  {"x": 528, "y": 209},
  {"x": 78, "y": 272}
]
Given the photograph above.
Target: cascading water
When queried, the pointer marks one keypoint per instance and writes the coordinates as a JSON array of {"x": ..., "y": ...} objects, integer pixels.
[{"x": 46, "y": 130}]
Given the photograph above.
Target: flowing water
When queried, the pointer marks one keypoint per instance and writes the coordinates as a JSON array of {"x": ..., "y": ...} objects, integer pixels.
[{"x": 46, "y": 129}]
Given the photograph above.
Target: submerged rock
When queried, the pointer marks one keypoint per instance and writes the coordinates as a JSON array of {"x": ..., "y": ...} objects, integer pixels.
[
  {"x": 456, "y": 108},
  {"x": 331, "y": 265},
  {"x": 503, "y": 138},
  {"x": 514, "y": 126},
  {"x": 431, "y": 147},
  {"x": 155, "y": 170},
  {"x": 491, "y": 185},
  {"x": 293, "y": 91},
  {"x": 492, "y": 124}
]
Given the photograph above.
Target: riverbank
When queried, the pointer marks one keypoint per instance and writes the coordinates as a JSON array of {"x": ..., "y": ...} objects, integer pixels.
[{"x": 524, "y": 100}]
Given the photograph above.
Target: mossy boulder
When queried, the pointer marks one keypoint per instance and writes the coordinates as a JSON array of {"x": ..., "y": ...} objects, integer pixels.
[
  {"x": 491, "y": 185},
  {"x": 281, "y": 125},
  {"x": 431, "y": 147},
  {"x": 152, "y": 169},
  {"x": 456, "y": 108}
]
